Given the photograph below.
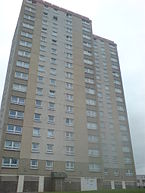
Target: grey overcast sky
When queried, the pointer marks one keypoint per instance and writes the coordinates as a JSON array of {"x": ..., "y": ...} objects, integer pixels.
[{"x": 122, "y": 21}]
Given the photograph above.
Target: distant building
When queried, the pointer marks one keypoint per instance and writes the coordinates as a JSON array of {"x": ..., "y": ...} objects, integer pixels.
[
  {"x": 140, "y": 181},
  {"x": 63, "y": 121}
]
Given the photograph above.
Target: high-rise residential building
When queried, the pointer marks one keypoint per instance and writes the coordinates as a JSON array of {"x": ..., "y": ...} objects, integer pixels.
[{"x": 63, "y": 121}]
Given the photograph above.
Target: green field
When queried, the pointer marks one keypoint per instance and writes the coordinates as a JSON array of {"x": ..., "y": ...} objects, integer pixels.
[{"x": 110, "y": 191}]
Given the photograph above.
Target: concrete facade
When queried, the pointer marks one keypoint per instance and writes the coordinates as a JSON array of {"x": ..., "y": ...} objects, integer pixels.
[{"x": 63, "y": 119}]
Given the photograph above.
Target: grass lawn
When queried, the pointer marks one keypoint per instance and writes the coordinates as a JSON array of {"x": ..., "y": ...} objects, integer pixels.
[{"x": 109, "y": 191}]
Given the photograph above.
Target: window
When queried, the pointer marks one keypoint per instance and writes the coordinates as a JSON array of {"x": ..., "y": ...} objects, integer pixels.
[
  {"x": 45, "y": 13},
  {"x": 52, "y": 82},
  {"x": 116, "y": 172},
  {"x": 69, "y": 109},
  {"x": 93, "y": 152},
  {"x": 22, "y": 64},
  {"x": 30, "y": 9},
  {"x": 69, "y": 85},
  {"x": 69, "y": 150},
  {"x": 91, "y": 113},
  {"x": 42, "y": 48},
  {"x": 17, "y": 100},
  {"x": 52, "y": 93},
  {"x": 69, "y": 15},
  {"x": 68, "y": 65},
  {"x": 123, "y": 127},
  {"x": 120, "y": 108},
  {"x": 20, "y": 87},
  {"x": 86, "y": 37},
  {"x": 117, "y": 90},
  {"x": 126, "y": 149},
  {"x": 14, "y": 129},
  {"x": 127, "y": 160},
  {"x": 69, "y": 97},
  {"x": 86, "y": 29},
  {"x": 115, "y": 74},
  {"x": 41, "y": 68},
  {"x": 92, "y": 126},
  {"x": 16, "y": 114},
  {"x": 54, "y": 41},
  {"x": 37, "y": 117},
  {"x": 87, "y": 44},
  {"x": 39, "y": 91},
  {"x": 92, "y": 138},
  {"x": 50, "y": 119},
  {"x": 50, "y": 133},
  {"x": 69, "y": 75},
  {"x": 89, "y": 80},
  {"x": 24, "y": 53},
  {"x": 90, "y": 102},
  {"x": 114, "y": 66},
  {"x": 26, "y": 34},
  {"x": 27, "y": 25},
  {"x": 52, "y": 71},
  {"x": 50, "y": 148},
  {"x": 69, "y": 122},
  {"x": 36, "y": 132},
  {"x": 12, "y": 145},
  {"x": 10, "y": 162},
  {"x": 68, "y": 22},
  {"x": 51, "y": 105},
  {"x": 54, "y": 33},
  {"x": 122, "y": 118},
  {"x": 69, "y": 46},
  {"x": 69, "y": 165},
  {"x": 33, "y": 163},
  {"x": 40, "y": 79},
  {"x": 43, "y": 39},
  {"x": 44, "y": 29},
  {"x": 94, "y": 167},
  {"x": 89, "y": 71},
  {"x": 42, "y": 58},
  {"x": 53, "y": 60},
  {"x": 125, "y": 138},
  {"x": 55, "y": 18},
  {"x": 35, "y": 147},
  {"x": 49, "y": 165},
  {"x": 25, "y": 44},
  {"x": 88, "y": 62},
  {"x": 129, "y": 172},
  {"x": 69, "y": 135},
  {"x": 69, "y": 38},
  {"x": 38, "y": 103},
  {"x": 21, "y": 75},
  {"x": 86, "y": 22},
  {"x": 69, "y": 55},
  {"x": 114, "y": 60},
  {"x": 53, "y": 51},
  {"x": 90, "y": 91}
]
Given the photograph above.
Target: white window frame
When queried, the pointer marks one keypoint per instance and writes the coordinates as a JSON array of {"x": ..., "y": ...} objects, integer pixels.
[
  {"x": 36, "y": 132},
  {"x": 10, "y": 164},
  {"x": 50, "y": 148},
  {"x": 32, "y": 165},
  {"x": 69, "y": 165},
  {"x": 17, "y": 100},
  {"x": 35, "y": 147},
  {"x": 22, "y": 64},
  {"x": 50, "y": 133},
  {"x": 49, "y": 164},
  {"x": 18, "y": 114},
  {"x": 14, "y": 129},
  {"x": 12, "y": 145}
]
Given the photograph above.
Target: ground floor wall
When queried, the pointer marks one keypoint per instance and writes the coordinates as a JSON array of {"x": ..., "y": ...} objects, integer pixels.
[{"x": 21, "y": 183}]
